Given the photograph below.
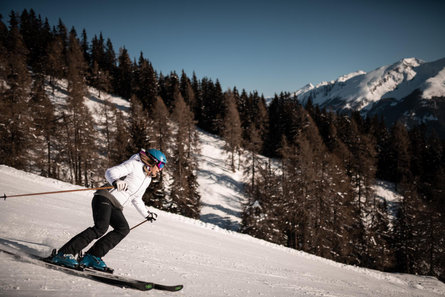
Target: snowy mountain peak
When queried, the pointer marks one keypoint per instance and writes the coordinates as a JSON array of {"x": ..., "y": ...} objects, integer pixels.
[
  {"x": 304, "y": 89},
  {"x": 360, "y": 89},
  {"x": 413, "y": 62},
  {"x": 350, "y": 75},
  {"x": 377, "y": 91}
]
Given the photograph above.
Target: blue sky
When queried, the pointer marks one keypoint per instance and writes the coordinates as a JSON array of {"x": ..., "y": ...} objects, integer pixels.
[{"x": 267, "y": 46}]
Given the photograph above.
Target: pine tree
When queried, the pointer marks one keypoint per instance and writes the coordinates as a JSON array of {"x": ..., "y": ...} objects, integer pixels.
[
  {"x": 435, "y": 154},
  {"x": 120, "y": 139},
  {"x": 212, "y": 106},
  {"x": 85, "y": 47},
  {"x": 400, "y": 155},
  {"x": 44, "y": 38},
  {"x": 185, "y": 198},
  {"x": 78, "y": 122},
  {"x": 382, "y": 136},
  {"x": 100, "y": 79},
  {"x": 45, "y": 127},
  {"x": 188, "y": 93},
  {"x": 345, "y": 221},
  {"x": 16, "y": 119},
  {"x": 262, "y": 214},
  {"x": 232, "y": 132},
  {"x": 251, "y": 161},
  {"x": 404, "y": 229},
  {"x": 109, "y": 62},
  {"x": 276, "y": 129},
  {"x": 140, "y": 127},
  {"x": 55, "y": 64},
  {"x": 281, "y": 118},
  {"x": 160, "y": 116},
  {"x": 262, "y": 120},
  {"x": 295, "y": 194},
  {"x": 360, "y": 161},
  {"x": 110, "y": 126},
  {"x": 3, "y": 57},
  {"x": 124, "y": 75},
  {"x": 62, "y": 33},
  {"x": 309, "y": 152},
  {"x": 3, "y": 52},
  {"x": 253, "y": 113},
  {"x": 197, "y": 91},
  {"x": 169, "y": 89},
  {"x": 98, "y": 51},
  {"x": 31, "y": 31},
  {"x": 379, "y": 254},
  {"x": 146, "y": 83}
]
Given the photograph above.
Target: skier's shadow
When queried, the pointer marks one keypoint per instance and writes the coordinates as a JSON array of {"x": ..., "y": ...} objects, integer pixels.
[{"x": 20, "y": 245}]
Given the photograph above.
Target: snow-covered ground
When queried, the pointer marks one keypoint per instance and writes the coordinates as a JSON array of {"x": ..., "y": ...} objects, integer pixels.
[
  {"x": 220, "y": 188},
  {"x": 208, "y": 260}
]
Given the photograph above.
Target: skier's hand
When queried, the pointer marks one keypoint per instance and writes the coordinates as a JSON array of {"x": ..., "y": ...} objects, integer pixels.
[
  {"x": 151, "y": 217},
  {"x": 120, "y": 185}
]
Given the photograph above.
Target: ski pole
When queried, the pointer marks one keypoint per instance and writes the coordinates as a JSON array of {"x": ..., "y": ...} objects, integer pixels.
[
  {"x": 151, "y": 217},
  {"x": 144, "y": 221},
  {"x": 55, "y": 192}
]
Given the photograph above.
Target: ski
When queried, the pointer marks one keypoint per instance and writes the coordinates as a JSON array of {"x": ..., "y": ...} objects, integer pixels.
[
  {"x": 171, "y": 288},
  {"x": 99, "y": 276}
]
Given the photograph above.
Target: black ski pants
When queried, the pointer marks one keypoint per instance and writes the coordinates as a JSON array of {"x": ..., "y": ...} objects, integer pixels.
[{"x": 104, "y": 215}]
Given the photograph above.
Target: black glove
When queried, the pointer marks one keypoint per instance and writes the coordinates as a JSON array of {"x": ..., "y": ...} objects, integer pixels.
[{"x": 151, "y": 217}]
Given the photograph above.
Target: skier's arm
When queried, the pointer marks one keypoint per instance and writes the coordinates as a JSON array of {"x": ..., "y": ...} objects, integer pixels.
[
  {"x": 114, "y": 173},
  {"x": 140, "y": 206}
]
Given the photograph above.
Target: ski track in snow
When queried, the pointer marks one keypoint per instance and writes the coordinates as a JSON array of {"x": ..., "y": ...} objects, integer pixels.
[{"x": 208, "y": 260}]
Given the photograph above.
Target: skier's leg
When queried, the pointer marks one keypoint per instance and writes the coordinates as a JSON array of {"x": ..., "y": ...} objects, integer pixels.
[
  {"x": 102, "y": 210},
  {"x": 112, "y": 238}
]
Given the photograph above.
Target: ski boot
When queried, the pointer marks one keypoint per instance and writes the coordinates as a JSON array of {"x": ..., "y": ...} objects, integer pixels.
[
  {"x": 61, "y": 259},
  {"x": 90, "y": 261}
]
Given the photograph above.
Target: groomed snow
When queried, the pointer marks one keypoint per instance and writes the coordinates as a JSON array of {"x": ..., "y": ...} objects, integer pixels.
[{"x": 208, "y": 260}]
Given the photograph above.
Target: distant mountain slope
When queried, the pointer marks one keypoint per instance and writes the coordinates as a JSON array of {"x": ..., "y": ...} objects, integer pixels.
[{"x": 410, "y": 90}]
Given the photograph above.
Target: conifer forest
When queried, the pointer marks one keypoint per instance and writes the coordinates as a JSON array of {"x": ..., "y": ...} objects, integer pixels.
[{"x": 309, "y": 172}]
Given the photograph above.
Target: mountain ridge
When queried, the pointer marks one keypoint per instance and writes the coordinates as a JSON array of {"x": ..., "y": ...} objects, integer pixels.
[{"x": 410, "y": 90}]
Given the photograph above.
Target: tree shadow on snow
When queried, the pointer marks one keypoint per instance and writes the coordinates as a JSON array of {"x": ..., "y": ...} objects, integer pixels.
[
  {"x": 222, "y": 222},
  {"x": 22, "y": 246}
]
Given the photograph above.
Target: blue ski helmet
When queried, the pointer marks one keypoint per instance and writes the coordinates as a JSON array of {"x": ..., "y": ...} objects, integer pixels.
[{"x": 158, "y": 157}]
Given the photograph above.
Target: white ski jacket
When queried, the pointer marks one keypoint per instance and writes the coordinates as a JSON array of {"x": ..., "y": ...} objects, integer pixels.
[{"x": 132, "y": 172}]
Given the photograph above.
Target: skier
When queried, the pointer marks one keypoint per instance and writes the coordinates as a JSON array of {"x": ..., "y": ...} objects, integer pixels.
[{"x": 130, "y": 180}]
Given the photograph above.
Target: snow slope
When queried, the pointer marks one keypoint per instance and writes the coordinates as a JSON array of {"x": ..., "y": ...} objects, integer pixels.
[
  {"x": 208, "y": 260},
  {"x": 220, "y": 189}
]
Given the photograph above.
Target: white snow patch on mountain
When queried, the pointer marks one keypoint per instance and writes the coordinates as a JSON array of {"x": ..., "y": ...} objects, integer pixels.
[{"x": 435, "y": 86}]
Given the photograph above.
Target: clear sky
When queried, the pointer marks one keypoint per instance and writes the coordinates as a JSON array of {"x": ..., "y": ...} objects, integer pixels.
[{"x": 267, "y": 46}]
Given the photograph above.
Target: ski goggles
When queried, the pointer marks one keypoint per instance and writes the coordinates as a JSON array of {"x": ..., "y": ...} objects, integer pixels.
[{"x": 160, "y": 165}]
